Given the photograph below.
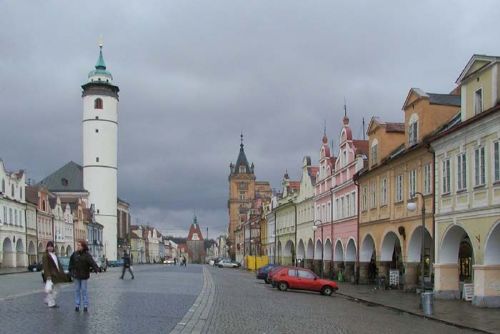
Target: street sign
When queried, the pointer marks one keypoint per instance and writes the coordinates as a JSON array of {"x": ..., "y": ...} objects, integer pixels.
[{"x": 394, "y": 277}]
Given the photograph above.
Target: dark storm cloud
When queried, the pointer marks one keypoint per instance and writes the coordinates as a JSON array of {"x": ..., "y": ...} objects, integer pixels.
[{"x": 194, "y": 74}]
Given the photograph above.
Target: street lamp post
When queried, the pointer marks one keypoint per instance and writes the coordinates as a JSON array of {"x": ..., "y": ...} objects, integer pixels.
[
  {"x": 412, "y": 206},
  {"x": 315, "y": 227}
]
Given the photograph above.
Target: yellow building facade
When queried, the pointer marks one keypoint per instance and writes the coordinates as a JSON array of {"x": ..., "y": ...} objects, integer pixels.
[
  {"x": 400, "y": 165},
  {"x": 467, "y": 168}
]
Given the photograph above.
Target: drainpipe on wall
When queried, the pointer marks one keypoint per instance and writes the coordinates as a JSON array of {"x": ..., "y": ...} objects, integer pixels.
[
  {"x": 433, "y": 185},
  {"x": 295, "y": 244},
  {"x": 331, "y": 222},
  {"x": 358, "y": 248},
  {"x": 275, "y": 237}
]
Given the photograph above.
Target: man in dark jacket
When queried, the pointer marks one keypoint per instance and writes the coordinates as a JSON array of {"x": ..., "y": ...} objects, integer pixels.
[
  {"x": 80, "y": 264},
  {"x": 127, "y": 264}
]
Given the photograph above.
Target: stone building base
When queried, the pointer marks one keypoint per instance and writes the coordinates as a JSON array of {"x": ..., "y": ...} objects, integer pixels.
[
  {"x": 486, "y": 286},
  {"x": 446, "y": 285}
]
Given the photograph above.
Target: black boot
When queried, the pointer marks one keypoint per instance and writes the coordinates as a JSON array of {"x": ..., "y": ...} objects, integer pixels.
[
  {"x": 85, "y": 309},
  {"x": 77, "y": 309}
]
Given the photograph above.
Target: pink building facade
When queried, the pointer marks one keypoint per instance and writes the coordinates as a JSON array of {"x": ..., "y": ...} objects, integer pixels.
[
  {"x": 336, "y": 201},
  {"x": 352, "y": 155},
  {"x": 323, "y": 211}
]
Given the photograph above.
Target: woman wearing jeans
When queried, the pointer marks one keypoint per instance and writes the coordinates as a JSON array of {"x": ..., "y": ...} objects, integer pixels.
[{"x": 80, "y": 264}]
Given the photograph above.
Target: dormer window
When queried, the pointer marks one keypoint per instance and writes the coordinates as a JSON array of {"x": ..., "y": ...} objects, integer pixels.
[
  {"x": 413, "y": 130},
  {"x": 98, "y": 103},
  {"x": 478, "y": 101},
  {"x": 374, "y": 152},
  {"x": 13, "y": 191}
]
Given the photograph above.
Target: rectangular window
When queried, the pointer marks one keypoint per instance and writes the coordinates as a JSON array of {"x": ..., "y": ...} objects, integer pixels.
[
  {"x": 461, "y": 171},
  {"x": 412, "y": 183},
  {"x": 5, "y": 215},
  {"x": 478, "y": 101},
  {"x": 10, "y": 216},
  {"x": 446, "y": 176},
  {"x": 479, "y": 166},
  {"x": 413, "y": 133},
  {"x": 399, "y": 188},
  {"x": 497, "y": 161},
  {"x": 337, "y": 207},
  {"x": 383, "y": 191},
  {"x": 348, "y": 203},
  {"x": 353, "y": 206},
  {"x": 427, "y": 179},
  {"x": 363, "y": 198},
  {"x": 374, "y": 154},
  {"x": 372, "y": 195}
]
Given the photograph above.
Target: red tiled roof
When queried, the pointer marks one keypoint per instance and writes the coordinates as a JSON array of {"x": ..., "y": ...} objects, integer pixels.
[
  {"x": 361, "y": 146},
  {"x": 394, "y": 127}
]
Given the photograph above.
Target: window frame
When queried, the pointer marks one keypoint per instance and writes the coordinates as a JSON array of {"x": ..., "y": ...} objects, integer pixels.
[
  {"x": 445, "y": 176},
  {"x": 479, "y": 166},
  {"x": 399, "y": 188},
  {"x": 481, "y": 97},
  {"x": 461, "y": 171},
  {"x": 427, "y": 179},
  {"x": 496, "y": 161},
  {"x": 383, "y": 191},
  {"x": 412, "y": 183}
]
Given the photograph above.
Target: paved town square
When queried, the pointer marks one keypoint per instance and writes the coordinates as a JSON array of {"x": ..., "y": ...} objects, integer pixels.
[
  {"x": 235, "y": 166},
  {"x": 163, "y": 299}
]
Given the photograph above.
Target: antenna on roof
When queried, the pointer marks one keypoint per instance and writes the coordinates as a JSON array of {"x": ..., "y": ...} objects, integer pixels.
[
  {"x": 364, "y": 129},
  {"x": 345, "y": 108}
]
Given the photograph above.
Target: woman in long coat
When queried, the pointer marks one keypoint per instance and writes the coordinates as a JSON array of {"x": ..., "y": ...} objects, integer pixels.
[{"x": 53, "y": 274}]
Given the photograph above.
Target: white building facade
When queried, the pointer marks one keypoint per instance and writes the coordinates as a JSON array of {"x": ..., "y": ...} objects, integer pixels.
[
  {"x": 100, "y": 145},
  {"x": 12, "y": 218}
]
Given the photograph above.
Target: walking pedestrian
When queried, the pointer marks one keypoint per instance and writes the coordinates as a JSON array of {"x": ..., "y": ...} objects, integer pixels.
[
  {"x": 175, "y": 261},
  {"x": 80, "y": 264},
  {"x": 127, "y": 264},
  {"x": 184, "y": 261},
  {"x": 53, "y": 274}
]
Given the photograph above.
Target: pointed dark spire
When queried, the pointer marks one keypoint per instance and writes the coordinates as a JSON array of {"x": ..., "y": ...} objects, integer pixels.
[{"x": 242, "y": 161}]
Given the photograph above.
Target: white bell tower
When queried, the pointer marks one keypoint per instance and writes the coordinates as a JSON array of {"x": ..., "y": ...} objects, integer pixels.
[{"x": 100, "y": 146}]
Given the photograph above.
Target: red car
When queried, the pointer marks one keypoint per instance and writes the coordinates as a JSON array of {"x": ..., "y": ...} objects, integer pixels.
[{"x": 302, "y": 279}]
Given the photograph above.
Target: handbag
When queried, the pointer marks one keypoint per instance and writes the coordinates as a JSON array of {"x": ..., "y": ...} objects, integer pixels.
[{"x": 49, "y": 286}]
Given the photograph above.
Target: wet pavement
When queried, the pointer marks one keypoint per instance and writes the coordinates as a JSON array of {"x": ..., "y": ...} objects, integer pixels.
[
  {"x": 458, "y": 312},
  {"x": 246, "y": 305},
  {"x": 154, "y": 302}
]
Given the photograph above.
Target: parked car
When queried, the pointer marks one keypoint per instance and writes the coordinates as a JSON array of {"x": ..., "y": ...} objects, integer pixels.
[
  {"x": 169, "y": 261},
  {"x": 303, "y": 279},
  {"x": 217, "y": 260},
  {"x": 37, "y": 266},
  {"x": 118, "y": 263},
  {"x": 226, "y": 263},
  {"x": 263, "y": 271},
  {"x": 271, "y": 273},
  {"x": 100, "y": 264}
]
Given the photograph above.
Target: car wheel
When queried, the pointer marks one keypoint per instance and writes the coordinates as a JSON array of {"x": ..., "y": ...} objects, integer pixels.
[
  {"x": 282, "y": 286},
  {"x": 220, "y": 266},
  {"x": 267, "y": 281},
  {"x": 327, "y": 290}
]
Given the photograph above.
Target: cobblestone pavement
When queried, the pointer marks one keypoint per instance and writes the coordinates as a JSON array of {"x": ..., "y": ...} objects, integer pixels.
[
  {"x": 154, "y": 302},
  {"x": 245, "y": 305}
]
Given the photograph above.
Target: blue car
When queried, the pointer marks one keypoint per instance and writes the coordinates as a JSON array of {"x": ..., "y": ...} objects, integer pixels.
[{"x": 263, "y": 271}]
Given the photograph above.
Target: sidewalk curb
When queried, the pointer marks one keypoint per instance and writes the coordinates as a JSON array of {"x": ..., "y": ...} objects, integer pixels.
[
  {"x": 362, "y": 300},
  {"x": 19, "y": 272}
]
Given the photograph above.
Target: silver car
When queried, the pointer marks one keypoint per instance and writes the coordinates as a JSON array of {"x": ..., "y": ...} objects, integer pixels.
[{"x": 226, "y": 263}]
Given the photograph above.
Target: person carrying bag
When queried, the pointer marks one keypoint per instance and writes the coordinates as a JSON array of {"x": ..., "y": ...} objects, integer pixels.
[{"x": 53, "y": 274}]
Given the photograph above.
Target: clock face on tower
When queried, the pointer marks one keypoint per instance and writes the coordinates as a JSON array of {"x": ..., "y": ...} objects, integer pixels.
[{"x": 195, "y": 236}]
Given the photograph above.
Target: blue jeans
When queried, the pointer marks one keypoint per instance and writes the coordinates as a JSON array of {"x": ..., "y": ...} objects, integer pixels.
[{"x": 81, "y": 291}]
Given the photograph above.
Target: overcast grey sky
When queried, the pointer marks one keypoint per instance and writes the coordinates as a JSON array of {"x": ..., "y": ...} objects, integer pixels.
[{"x": 193, "y": 74}]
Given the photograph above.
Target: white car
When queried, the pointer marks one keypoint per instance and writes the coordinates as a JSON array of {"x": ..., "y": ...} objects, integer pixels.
[
  {"x": 228, "y": 264},
  {"x": 169, "y": 261}
]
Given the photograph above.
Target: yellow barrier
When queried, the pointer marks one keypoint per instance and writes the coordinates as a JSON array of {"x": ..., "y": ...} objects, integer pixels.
[{"x": 255, "y": 262}]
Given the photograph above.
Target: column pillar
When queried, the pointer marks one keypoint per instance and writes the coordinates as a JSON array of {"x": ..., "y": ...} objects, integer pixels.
[
  {"x": 349, "y": 271},
  {"x": 486, "y": 285},
  {"x": 411, "y": 275},
  {"x": 446, "y": 285},
  {"x": 364, "y": 273}
]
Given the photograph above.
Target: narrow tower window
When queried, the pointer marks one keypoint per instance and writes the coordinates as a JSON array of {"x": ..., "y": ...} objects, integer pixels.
[
  {"x": 98, "y": 103},
  {"x": 96, "y": 130},
  {"x": 97, "y": 159}
]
